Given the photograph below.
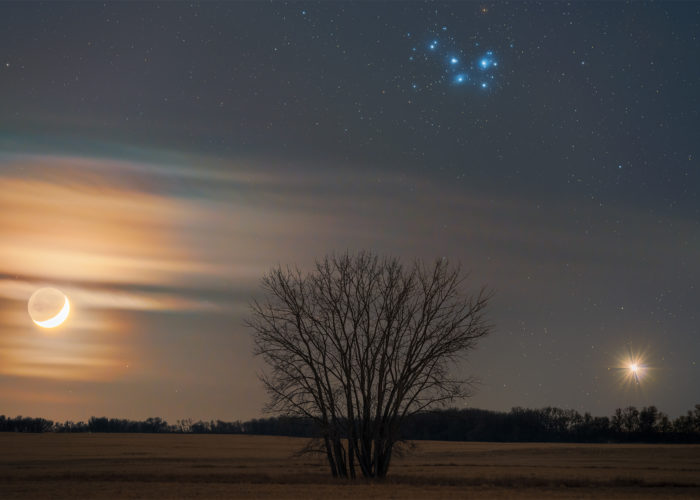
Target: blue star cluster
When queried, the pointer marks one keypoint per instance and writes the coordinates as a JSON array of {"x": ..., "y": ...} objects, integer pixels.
[{"x": 438, "y": 60}]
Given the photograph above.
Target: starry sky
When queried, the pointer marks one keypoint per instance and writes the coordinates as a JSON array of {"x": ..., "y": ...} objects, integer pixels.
[{"x": 157, "y": 158}]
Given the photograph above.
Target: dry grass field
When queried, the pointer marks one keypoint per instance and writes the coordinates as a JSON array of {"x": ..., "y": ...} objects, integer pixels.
[{"x": 207, "y": 466}]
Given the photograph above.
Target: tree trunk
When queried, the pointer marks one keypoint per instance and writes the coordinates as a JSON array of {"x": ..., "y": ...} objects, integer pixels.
[
  {"x": 329, "y": 455},
  {"x": 386, "y": 460},
  {"x": 340, "y": 462},
  {"x": 351, "y": 457}
]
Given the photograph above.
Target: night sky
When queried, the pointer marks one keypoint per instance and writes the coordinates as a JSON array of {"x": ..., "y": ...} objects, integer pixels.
[{"x": 157, "y": 159}]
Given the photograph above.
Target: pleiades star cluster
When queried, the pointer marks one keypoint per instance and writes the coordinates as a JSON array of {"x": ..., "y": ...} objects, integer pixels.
[{"x": 439, "y": 58}]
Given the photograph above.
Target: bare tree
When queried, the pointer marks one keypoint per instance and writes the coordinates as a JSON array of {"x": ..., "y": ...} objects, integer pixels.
[{"x": 361, "y": 343}]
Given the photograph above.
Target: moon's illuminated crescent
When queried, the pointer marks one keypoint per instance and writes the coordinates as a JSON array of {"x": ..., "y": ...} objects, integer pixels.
[{"x": 58, "y": 319}]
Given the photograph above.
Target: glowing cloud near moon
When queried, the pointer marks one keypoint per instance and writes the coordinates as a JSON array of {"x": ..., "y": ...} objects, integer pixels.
[{"x": 48, "y": 307}]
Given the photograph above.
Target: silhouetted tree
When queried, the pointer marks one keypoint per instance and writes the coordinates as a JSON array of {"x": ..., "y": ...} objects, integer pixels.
[
  {"x": 630, "y": 420},
  {"x": 361, "y": 343},
  {"x": 664, "y": 427},
  {"x": 648, "y": 417},
  {"x": 184, "y": 425},
  {"x": 616, "y": 423},
  {"x": 684, "y": 425}
]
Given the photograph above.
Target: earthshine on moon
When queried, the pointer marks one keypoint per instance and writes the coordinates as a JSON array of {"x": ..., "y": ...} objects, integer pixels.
[{"x": 48, "y": 307}]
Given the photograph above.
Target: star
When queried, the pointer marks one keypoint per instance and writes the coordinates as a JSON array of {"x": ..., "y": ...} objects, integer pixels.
[{"x": 487, "y": 61}]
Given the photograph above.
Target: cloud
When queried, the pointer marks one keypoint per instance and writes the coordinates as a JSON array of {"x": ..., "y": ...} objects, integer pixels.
[
  {"x": 106, "y": 298},
  {"x": 89, "y": 232},
  {"x": 191, "y": 234}
]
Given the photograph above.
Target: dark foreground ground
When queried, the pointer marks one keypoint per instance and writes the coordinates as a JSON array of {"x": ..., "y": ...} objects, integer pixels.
[{"x": 228, "y": 466}]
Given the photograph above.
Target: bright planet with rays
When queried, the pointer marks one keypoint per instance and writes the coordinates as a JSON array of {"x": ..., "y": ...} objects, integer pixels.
[{"x": 48, "y": 307}]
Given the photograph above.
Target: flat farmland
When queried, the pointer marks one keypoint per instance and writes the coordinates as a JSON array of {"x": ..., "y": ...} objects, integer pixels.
[{"x": 233, "y": 466}]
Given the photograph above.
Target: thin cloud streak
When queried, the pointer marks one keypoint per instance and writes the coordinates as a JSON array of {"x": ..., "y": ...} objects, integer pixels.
[{"x": 87, "y": 298}]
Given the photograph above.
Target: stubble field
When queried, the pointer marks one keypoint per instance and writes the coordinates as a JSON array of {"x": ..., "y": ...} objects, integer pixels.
[{"x": 230, "y": 466}]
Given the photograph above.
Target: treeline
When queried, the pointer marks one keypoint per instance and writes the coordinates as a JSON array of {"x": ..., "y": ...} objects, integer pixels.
[
  {"x": 276, "y": 426},
  {"x": 520, "y": 424},
  {"x": 555, "y": 425}
]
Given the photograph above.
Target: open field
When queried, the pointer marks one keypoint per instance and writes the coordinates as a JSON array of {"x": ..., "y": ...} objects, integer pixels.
[{"x": 226, "y": 466}]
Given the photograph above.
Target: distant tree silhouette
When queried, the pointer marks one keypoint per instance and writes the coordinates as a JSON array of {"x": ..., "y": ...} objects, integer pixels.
[
  {"x": 648, "y": 418},
  {"x": 451, "y": 424},
  {"x": 630, "y": 420},
  {"x": 360, "y": 344},
  {"x": 25, "y": 424}
]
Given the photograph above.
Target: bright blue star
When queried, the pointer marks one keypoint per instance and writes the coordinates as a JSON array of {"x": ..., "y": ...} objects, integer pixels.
[
  {"x": 433, "y": 45},
  {"x": 461, "y": 78},
  {"x": 484, "y": 85},
  {"x": 487, "y": 61},
  {"x": 454, "y": 60}
]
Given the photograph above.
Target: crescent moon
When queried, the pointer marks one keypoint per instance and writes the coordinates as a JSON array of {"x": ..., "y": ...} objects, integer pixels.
[{"x": 58, "y": 319}]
